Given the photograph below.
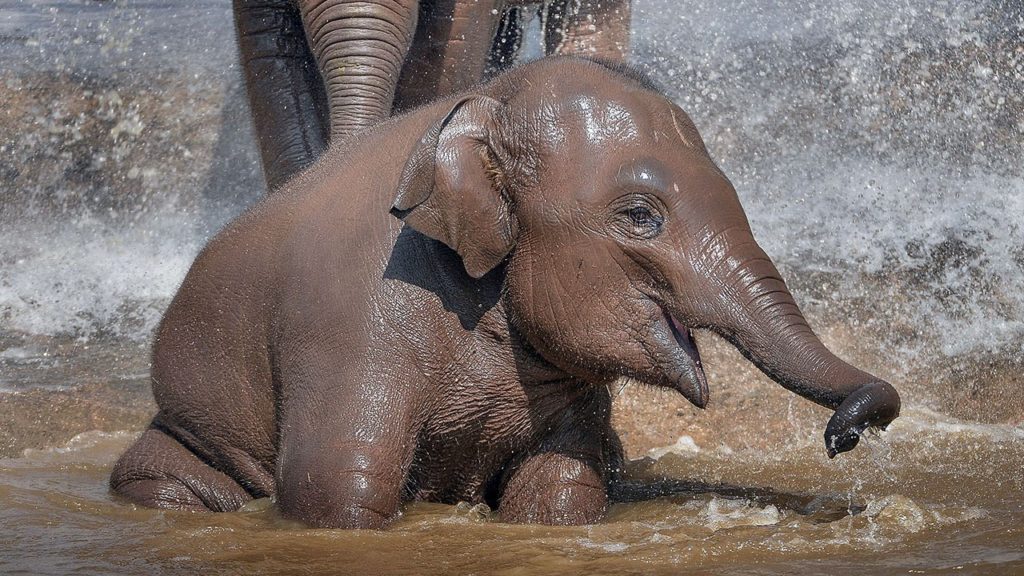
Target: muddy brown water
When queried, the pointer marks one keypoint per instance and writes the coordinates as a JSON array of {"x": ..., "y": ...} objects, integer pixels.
[
  {"x": 948, "y": 509},
  {"x": 933, "y": 494}
]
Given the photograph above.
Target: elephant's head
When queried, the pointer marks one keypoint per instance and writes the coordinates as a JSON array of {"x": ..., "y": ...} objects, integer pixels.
[{"x": 621, "y": 236}]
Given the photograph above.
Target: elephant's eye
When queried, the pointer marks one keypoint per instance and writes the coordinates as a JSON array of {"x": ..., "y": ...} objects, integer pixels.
[{"x": 642, "y": 221}]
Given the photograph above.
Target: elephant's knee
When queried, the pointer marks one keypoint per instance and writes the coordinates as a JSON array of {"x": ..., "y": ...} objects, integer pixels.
[
  {"x": 336, "y": 497},
  {"x": 555, "y": 489}
]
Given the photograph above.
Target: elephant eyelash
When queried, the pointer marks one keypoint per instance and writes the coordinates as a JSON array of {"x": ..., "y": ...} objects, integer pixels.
[
  {"x": 642, "y": 217},
  {"x": 639, "y": 218}
]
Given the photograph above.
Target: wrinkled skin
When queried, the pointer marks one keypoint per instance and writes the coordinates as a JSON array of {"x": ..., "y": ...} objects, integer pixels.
[
  {"x": 549, "y": 232},
  {"x": 318, "y": 71}
]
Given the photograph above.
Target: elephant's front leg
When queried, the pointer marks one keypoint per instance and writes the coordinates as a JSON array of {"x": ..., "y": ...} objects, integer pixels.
[
  {"x": 345, "y": 449},
  {"x": 359, "y": 47},
  {"x": 564, "y": 480},
  {"x": 343, "y": 482},
  {"x": 555, "y": 488},
  {"x": 451, "y": 51},
  {"x": 588, "y": 28}
]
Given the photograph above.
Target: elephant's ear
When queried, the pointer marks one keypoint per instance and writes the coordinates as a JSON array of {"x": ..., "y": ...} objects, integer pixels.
[{"x": 448, "y": 188}]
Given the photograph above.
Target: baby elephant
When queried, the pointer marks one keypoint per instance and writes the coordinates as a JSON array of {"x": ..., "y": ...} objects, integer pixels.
[{"x": 434, "y": 313}]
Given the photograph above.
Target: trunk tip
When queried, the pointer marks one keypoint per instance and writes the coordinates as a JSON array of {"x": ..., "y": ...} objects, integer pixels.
[{"x": 874, "y": 404}]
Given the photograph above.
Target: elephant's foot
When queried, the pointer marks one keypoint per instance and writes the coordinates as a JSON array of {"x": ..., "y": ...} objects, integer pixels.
[{"x": 158, "y": 472}]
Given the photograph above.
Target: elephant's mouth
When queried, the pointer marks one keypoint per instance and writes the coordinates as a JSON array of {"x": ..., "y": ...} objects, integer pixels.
[{"x": 692, "y": 383}]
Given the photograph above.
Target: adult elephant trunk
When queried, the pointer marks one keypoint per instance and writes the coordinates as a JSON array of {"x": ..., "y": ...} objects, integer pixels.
[
  {"x": 758, "y": 314},
  {"x": 359, "y": 47}
]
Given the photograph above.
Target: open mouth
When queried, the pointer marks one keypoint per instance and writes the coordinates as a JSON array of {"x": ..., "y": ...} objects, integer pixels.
[{"x": 698, "y": 381}]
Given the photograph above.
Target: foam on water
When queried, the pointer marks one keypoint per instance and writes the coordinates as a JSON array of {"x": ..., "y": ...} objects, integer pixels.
[
  {"x": 722, "y": 514},
  {"x": 87, "y": 446},
  {"x": 683, "y": 444}
]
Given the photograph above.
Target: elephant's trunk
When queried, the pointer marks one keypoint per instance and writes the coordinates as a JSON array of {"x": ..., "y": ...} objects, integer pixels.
[
  {"x": 759, "y": 316},
  {"x": 359, "y": 47}
]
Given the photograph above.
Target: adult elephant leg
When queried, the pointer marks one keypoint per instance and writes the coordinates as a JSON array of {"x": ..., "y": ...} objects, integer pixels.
[
  {"x": 359, "y": 48},
  {"x": 507, "y": 41},
  {"x": 590, "y": 28},
  {"x": 285, "y": 92},
  {"x": 451, "y": 49}
]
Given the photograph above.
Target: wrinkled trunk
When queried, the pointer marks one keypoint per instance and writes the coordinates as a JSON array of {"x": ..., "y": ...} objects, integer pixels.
[
  {"x": 759, "y": 316},
  {"x": 359, "y": 47},
  {"x": 285, "y": 93}
]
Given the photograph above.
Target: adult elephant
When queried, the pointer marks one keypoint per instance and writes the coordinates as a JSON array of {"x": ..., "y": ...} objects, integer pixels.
[{"x": 320, "y": 70}]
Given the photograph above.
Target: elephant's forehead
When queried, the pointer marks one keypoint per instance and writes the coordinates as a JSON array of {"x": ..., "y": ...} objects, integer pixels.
[
  {"x": 588, "y": 122},
  {"x": 589, "y": 119}
]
